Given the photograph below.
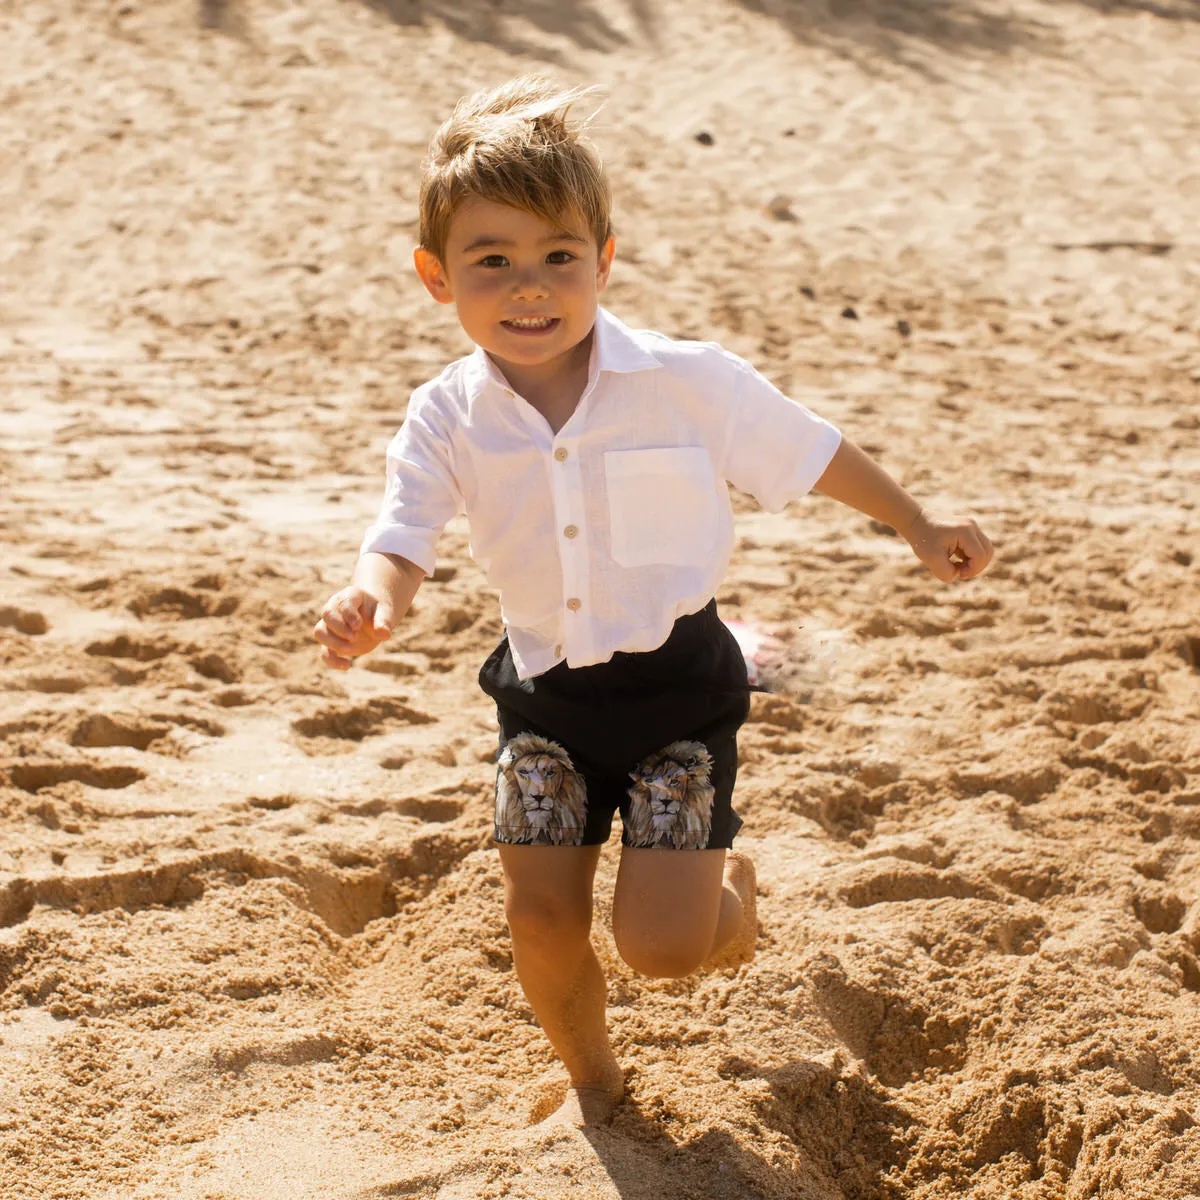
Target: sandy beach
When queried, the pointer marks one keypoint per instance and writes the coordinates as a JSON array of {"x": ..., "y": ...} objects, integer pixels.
[{"x": 252, "y": 941}]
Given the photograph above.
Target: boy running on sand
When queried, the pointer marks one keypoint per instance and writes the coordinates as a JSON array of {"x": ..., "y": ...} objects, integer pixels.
[{"x": 591, "y": 461}]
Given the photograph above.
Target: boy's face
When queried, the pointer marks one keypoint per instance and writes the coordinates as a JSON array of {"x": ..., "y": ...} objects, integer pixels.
[{"x": 526, "y": 290}]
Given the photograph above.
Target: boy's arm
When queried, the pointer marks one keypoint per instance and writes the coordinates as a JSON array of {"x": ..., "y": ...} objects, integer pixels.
[
  {"x": 953, "y": 550},
  {"x": 359, "y": 617},
  {"x": 393, "y": 580}
]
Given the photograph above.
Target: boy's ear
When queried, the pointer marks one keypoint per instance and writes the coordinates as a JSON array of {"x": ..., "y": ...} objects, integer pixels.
[
  {"x": 604, "y": 264},
  {"x": 433, "y": 275}
]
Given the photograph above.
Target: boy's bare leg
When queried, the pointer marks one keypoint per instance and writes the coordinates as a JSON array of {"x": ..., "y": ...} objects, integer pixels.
[
  {"x": 678, "y": 911},
  {"x": 548, "y": 902},
  {"x": 737, "y": 922}
]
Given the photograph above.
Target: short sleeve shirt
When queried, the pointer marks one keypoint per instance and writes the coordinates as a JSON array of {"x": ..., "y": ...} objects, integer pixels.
[{"x": 599, "y": 537}]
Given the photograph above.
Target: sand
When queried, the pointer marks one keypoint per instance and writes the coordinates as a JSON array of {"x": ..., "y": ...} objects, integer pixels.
[{"x": 251, "y": 930}]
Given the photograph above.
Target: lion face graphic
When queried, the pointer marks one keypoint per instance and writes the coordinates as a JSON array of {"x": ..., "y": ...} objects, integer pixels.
[
  {"x": 671, "y": 799},
  {"x": 540, "y": 798}
]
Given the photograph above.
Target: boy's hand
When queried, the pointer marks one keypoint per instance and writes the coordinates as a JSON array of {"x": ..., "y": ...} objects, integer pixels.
[
  {"x": 953, "y": 550},
  {"x": 352, "y": 624}
]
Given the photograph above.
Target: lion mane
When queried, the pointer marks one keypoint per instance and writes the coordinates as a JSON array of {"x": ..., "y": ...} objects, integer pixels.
[
  {"x": 540, "y": 797},
  {"x": 671, "y": 799}
]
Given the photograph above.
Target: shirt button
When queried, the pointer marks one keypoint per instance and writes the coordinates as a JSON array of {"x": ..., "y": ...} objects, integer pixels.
[
  {"x": 561, "y": 454},
  {"x": 574, "y": 605},
  {"x": 558, "y": 651},
  {"x": 571, "y": 531}
]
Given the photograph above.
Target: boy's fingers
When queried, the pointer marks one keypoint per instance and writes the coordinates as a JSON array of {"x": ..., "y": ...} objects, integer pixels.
[
  {"x": 346, "y": 616},
  {"x": 331, "y": 617},
  {"x": 384, "y": 619},
  {"x": 330, "y": 637},
  {"x": 946, "y": 569},
  {"x": 332, "y": 622},
  {"x": 337, "y": 661},
  {"x": 340, "y": 629},
  {"x": 942, "y": 558},
  {"x": 343, "y": 620},
  {"x": 978, "y": 551}
]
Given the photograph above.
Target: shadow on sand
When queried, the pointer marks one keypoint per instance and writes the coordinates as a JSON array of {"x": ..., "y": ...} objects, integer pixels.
[
  {"x": 498, "y": 22},
  {"x": 871, "y": 33},
  {"x": 903, "y": 33},
  {"x": 846, "y": 1132}
]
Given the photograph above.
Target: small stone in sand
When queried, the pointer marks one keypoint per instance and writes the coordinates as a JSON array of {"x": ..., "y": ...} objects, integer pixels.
[{"x": 780, "y": 207}]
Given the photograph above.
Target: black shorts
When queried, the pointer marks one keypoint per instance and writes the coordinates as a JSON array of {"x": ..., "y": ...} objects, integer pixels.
[{"x": 653, "y": 734}]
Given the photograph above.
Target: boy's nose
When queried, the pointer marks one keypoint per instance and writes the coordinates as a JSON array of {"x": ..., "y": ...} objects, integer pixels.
[{"x": 530, "y": 287}]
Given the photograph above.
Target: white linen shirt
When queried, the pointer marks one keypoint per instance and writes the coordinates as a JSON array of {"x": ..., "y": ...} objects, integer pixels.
[{"x": 600, "y": 536}]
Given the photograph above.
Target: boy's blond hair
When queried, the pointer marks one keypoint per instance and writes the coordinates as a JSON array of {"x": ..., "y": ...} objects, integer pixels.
[{"x": 514, "y": 145}]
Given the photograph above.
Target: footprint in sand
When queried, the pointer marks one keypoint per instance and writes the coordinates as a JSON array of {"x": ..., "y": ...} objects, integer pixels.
[
  {"x": 183, "y": 604},
  {"x": 1188, "y": 648},
  {"x": 896, "y": 1036},
  {"x": 138, "y": 649},
  {"x": 215, "y": 666},
  {"x": 435, "y": 809},
  {"x": 24, "y": 620},
  {"x": 352, "y": 724},
  {"x": 99, "y": 730},
  {"x": 899, "y": 881},
  {"x": 1094, "y": 707},
  {"x": 346, "y": 901},
  {"x": 1160, "y": 910},
  {"x": 64, "y": 685},
  {"x": 290, "y": 1050},
  {"x": 33, "y": 776},
  {"x": 1027, "y": 785}
]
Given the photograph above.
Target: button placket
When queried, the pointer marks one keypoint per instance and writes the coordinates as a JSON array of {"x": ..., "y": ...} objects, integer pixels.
[{"x": 568, "y": 510}]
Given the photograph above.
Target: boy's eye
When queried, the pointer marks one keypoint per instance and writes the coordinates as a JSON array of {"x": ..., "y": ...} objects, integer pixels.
[
  {"x": 560, "y": 257},
  {"x": 493, "y": 260}
]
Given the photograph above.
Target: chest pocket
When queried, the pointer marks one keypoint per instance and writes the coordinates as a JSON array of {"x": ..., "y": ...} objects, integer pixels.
[{"x": 662, "y": 506}]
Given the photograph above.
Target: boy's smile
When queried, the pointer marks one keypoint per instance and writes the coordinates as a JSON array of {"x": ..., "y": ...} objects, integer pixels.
[{"x": 526, "y": 289}]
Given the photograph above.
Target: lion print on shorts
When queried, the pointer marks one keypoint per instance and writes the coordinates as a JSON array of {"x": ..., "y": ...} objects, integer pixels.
[
  {"x": 671, "y": 799},
  {"x": 540, "y": 797}
]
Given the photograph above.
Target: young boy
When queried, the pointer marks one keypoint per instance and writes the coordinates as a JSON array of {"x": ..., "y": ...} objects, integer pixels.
[{"x": 591, "y": 461}]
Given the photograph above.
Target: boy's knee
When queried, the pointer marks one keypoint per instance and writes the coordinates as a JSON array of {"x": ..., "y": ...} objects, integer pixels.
[
  {"x": 662, "y": 960},
  {"x": 538, "y": 921}
]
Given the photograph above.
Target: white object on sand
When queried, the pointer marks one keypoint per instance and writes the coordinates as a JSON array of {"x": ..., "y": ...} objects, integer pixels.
[{"x": 758, "y": 648}]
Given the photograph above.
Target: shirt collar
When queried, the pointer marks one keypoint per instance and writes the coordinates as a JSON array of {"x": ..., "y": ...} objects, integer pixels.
[
  {"x": 616, "y": 348},
  {"x": 619, "y": 348}
]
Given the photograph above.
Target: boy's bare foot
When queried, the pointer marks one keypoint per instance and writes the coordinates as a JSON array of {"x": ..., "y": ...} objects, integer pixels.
[
  {"x": 739, "y": 875},
  {"x": 588, "y": 1104}
]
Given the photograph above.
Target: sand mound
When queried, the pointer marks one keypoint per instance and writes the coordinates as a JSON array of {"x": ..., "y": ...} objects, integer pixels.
[{"x": 251, "y": 931}]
